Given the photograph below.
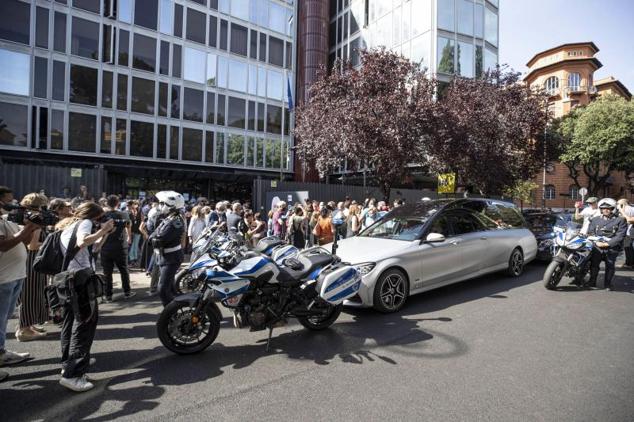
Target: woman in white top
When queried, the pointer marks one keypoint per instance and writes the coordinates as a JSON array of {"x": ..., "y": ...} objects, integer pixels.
[
  {"x": 78, "y": 331},
  {"x": 196, "y": 224}
]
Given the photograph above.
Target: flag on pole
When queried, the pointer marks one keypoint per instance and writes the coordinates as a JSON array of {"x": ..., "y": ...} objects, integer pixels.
[{"x": 289, "y": 93}]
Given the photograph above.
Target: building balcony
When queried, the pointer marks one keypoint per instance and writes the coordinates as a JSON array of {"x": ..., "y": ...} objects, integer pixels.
[{"x": 572, "y": 90}]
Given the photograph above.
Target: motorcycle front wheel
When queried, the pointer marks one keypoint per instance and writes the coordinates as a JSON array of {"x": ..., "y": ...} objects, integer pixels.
[
  {"x": 321, "y": 322},
  {"x": 554, "y": 273},
  {"x": 184, "y": 332},
  {"x": 185, "y": 283}
]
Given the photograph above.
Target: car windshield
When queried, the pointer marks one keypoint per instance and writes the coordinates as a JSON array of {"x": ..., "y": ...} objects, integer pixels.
[
  {"x": 541, "y": 222},
  {"x": 397, "y": 227}
]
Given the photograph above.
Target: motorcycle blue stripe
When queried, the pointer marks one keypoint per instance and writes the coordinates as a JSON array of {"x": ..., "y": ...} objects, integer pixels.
[
  {"x": 254, "y": 269},
  {"x": 341, "y": 280},
  {"x": 345, "y": 293}
]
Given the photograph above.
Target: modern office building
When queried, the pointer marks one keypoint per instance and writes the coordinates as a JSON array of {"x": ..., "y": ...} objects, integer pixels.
[
  {"x": 566, "y": 74},
  {"x": 447, "y": 37},
  {"x": 132, "y": 96}
]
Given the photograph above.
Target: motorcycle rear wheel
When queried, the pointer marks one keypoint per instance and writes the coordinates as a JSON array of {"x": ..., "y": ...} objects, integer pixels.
[
  {"x": 178, "y": 333},
  {"x": 318, "y": 323},
  {"x": 553, "y": 275}
]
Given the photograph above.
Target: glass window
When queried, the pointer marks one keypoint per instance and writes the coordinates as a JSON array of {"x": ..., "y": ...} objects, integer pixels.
[
  {"x": 251, "y": 116},
  {"x": 253, "y": 45},
  {"x": 144, "y": 53},
  {"x": 82, "y": 132},
  {"x": 237, "y": 76},
  {"x": 465, "y": 16},
  {"x": 120, "y": 137},
  {"x": 289, "y": 53},
  {"x": 142, "y": 96},
  {"x": 478, "y": 61},
  {"x": 40, "y": 77},
  {"x": 124, "y": 47},
  {"x": 211, "y": 107},
  {"x": 176, "y": 60},
  {"x": 493, "y": 2},
  {"x": 178, "y": 20},
  {"x": 273, "y": 119},
  {"x": 551, "y": 85},
  {"x": 57, "y": 129},
  {"x": 176, "y": 102},
  {"x": 262, "y": 54},
  {"x": 209, "y": 147},
  {"x": 146, "y": 13},
  {"x": 211, "y": 69},
  {"x": 213, "y": 31},
  {"x": 43, "y": 128},
  {"x": 59, "y": 80},
  {"x": 85, "y": 38},
  {"x": 141, "y": 139},
  {"x": 83, "y": 85},
  {"x": 122, "y": 92},
  {"x": 59, "y": 37},
  {"x": 253, "y": 79},
  {"x": 161, "y": 142},
  {"x": 14, "y": 127},
  {"x": 106, "y": 89},
  {"x": 421, "y": 50},
  {"x": 262, "y": 82},
  {"x": 222, "y": 72},
  {"x": 164, "y": 66},
  {"x": 106, "y": 135},
  {"x": 162, "y": 104},
  {"x": 445, "y": 55},
  {"x": 220, "y": 111},
  {"x": 166, "y": 23},
  {"x": 219, "y": 151},
  {"x": 574, "y": 80},
  {"x": 236, "y": 115},
  {"x": 41, "y": 28},
  {"x": 196, "y": 29},
  {"x": 89, "y": 5},
  {"x": 192, "y": 144},
  {"x": 273, "y": 151},
  {"x": 446, "y": 14},
  {"x": 465, "y": 59},
  {"x": 223, "y": 34},
  {"x": 193, "y": 105},
  {"x": 287, "y": 122},
  {"x": 125, "y": 11},
  {"x": 549, "y": 192},
  {"x": 239, "y": 40},
  {"x": 16, "y": 17},
  {"x": 235, "y": 150},
  {"x": 276, "y": 51},
  {"x": 213, "y": 4},
  {"x": 277, "y": 18},
  {"x": 174, "y": 142},
  {"x": 490, "y": 59},
  {"x": 250, "y": 151},
  {"x": 240, "y": 9},
  {"x": 107, "y": 53},
  {"x": 491, "y": 26},
  {"x": 275, "y": 88},
  {"x": 479, "y": 21},
  {"x": 263, "y": 13},
  {"x": 203, "y": 2},
  {"x": 261, "y": 116},
  {"x": 194, "y": 65},
  {"x": 259, "y": 153},
  {"x": 225, "y": 6}
]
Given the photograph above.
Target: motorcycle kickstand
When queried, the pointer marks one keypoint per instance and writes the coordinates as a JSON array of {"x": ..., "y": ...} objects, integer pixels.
[{"x": 268, "y": 342}]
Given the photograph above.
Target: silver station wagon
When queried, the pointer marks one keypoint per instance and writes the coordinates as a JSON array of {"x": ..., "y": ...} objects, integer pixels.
[{"x": 431, "y": 244}]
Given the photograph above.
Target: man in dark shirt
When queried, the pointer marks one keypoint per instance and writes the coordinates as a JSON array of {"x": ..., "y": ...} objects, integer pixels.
[
  {"x": 115, "y": 249},
  {"x": 234, "y": 217}
]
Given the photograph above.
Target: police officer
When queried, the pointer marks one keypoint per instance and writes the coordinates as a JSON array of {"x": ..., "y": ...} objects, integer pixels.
[
  {"x": 613, "y": 227},
  {"x": 167, "y": 240}
]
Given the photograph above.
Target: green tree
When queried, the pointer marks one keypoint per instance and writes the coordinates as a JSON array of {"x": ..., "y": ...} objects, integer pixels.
[
  {"x": 522, "y": 191},
  {"x": 598, "y": 140}
]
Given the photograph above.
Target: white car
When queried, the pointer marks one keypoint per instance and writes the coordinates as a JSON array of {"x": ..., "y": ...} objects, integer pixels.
[{"x": 431, "y": 244}]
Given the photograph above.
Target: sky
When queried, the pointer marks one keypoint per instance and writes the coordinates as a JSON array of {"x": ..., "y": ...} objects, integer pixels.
[{"x": 530, "y": 26}]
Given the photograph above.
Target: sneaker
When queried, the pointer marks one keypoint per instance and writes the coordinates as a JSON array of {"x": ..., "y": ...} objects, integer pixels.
[
  {"x": 91, "y": 362},
  {"x": 39, "y": 328},
  {"x": 11, "y": 358},
  {"x": 79, "y": 384},
  {"x": 3, "y": 375},
  {"x": 128, "y": 295},
  {"x": 28, "y": 334},
  {"x": 107, "y": 299}
]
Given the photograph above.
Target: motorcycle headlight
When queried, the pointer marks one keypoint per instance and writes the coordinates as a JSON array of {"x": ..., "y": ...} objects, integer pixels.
[
  {"x": 365, "y": 268},
  {"x": 574, "y": 246},
  {"x": 198, "y": 272}
]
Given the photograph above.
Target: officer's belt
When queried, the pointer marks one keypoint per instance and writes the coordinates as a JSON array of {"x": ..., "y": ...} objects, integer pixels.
[{"x": 170, "y": 250}]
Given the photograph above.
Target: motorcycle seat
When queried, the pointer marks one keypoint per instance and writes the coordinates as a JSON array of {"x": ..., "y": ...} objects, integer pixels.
[
  {"x": 262, "y": 247},
  {"x": 290, "y": 278}
]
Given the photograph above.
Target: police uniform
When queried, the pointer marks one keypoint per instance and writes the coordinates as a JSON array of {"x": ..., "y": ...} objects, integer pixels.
[
  {"x": 166, "y": 240},
  {"x": 614, "y": 228}
]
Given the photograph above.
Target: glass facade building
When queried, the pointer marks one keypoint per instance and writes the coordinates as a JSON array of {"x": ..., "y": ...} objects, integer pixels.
[{"x": 198, "y": 85}]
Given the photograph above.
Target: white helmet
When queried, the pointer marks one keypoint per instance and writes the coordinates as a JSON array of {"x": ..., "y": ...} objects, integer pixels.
[
  {"x": 170, "y": 200},
  {"x": 607, "y": 203}
]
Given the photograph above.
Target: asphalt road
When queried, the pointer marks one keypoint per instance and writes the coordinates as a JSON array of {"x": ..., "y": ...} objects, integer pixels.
[{"x": 491, "y": 349}]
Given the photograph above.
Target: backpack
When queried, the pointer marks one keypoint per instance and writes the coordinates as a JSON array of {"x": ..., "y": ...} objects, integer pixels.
[{"x": 50, "y": 258}]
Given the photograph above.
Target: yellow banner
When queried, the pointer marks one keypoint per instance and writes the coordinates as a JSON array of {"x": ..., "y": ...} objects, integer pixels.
[{"x": 447, "y": 183}]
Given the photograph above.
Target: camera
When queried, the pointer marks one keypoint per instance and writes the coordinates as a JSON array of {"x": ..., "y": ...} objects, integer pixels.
[
  {"x": 118, "y": 222},
  {"x": 20, "y": 215}
]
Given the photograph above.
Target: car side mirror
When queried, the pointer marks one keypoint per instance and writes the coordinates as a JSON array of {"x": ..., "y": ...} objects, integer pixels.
[{"x": 434, "y": 237}]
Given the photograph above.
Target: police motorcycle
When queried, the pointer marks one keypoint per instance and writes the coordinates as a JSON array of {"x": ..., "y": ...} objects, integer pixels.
[
  {"x": 262, "y": 295},
  {"x": 571, "y": 256}
]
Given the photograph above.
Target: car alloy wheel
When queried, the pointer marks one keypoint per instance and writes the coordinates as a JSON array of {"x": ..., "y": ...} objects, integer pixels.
[
  {"x": 390, "y": 292},
  {"x": 516, "y": 263}
]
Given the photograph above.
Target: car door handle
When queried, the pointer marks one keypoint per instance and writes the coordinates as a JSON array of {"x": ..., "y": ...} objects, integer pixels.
[{"x": 454, "y": 243}]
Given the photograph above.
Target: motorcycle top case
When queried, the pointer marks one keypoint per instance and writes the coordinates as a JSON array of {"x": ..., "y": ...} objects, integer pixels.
[{"x": 338, "y": 283}]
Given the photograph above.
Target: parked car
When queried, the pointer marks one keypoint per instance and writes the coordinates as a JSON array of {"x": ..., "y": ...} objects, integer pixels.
[
  {"x": 420, "y": 247},
  {"x": 541, "y": 223}
]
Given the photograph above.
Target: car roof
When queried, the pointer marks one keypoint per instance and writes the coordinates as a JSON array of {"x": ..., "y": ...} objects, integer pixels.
[{"x": 422, "y": 207}]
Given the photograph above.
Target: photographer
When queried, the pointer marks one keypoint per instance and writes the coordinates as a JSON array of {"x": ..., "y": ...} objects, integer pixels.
[
  {"x": 80, "y": 325},
  {"x": 33, "y": 308},
  {"x": 115, "y": 248}
]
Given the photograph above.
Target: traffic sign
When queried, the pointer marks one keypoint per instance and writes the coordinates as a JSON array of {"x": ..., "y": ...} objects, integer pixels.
[
  {"x": 583, "y": 192},
  {"x": 447, "y": 183}
]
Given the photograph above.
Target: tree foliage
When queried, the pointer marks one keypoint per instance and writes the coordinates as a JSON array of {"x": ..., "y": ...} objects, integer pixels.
[
  {"x": 598, "y": 139},
  {"x": 522, "y": 191}
]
